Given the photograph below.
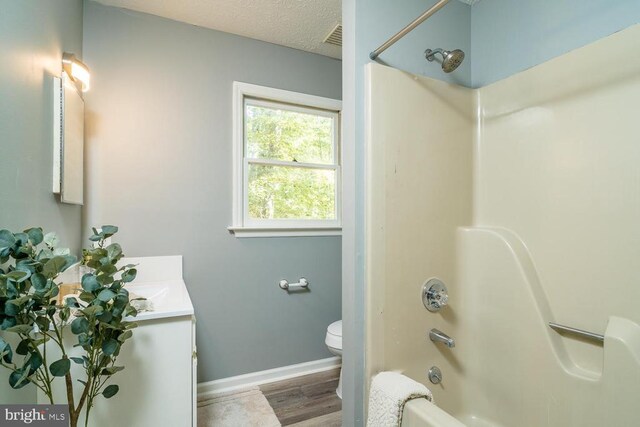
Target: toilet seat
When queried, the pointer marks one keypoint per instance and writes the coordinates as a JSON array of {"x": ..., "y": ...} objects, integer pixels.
[{"x": 334, "y": 335}]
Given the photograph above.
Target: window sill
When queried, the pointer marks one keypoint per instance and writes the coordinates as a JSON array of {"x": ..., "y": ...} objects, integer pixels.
[{"x": 242, "y": 232}]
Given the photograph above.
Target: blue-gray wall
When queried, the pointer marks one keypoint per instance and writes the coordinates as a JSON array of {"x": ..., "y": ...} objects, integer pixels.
[
  {"x": 159, "y": 165},
  {"x": 33, "y": 36},
  {"x": 510, "y": 36},
  {"x": 449, "y": 28}
]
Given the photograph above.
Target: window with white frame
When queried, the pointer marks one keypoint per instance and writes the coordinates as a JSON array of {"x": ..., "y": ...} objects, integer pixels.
[{"x": 286, "y": 163}]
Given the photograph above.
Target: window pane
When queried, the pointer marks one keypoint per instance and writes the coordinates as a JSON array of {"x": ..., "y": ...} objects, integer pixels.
[
  {"x": 289, "y": 136},
  {"x": 280, "y": 192}
]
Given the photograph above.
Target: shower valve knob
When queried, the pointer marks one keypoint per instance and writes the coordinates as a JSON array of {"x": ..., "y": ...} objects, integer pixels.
[
  {"x": 434, "y": 294},
  {"x": 435, "y": 375}
]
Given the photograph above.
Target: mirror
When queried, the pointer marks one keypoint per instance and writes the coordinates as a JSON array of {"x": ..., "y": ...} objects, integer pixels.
[{"x": 68, "y": 139}]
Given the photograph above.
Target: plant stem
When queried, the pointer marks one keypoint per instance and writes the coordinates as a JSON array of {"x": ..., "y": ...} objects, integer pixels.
[
  {"x": 73, "y": 414},
  {"x": 86, "y": 417},
  {"x": 88, "y": 391},
  {"x": 45, "y": 369}
]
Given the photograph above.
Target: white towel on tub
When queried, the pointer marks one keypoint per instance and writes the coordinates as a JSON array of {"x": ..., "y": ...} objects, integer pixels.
[{"x": 387, "y": 396}]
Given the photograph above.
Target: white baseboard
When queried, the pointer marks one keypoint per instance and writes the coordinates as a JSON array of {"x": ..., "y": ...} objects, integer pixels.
[{"x": 223, "y": 385}]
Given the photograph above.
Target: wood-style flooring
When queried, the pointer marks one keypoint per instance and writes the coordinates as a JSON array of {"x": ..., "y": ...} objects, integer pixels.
[{"x": 307, "y": 401}]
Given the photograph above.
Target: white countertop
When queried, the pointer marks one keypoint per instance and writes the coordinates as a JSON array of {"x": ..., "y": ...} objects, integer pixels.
[
  {"x": 169, "y": 298},
  {"x": 159, "y": 280}
]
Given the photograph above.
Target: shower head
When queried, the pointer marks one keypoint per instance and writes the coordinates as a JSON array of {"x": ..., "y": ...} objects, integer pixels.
[{"x": 450, "y": 59}]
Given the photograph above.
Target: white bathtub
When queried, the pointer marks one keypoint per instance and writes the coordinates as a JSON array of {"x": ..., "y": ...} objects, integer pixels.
[
  {"x": 498, "y": 376},
  {"x": 422, "y": 413}
]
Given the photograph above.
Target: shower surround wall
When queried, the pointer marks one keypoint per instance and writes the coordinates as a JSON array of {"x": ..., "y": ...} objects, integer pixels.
[{"x": 553, "y": 235}]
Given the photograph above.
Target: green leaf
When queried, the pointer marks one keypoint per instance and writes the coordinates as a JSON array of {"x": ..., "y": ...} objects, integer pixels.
[
  {"x": 18, "y": 378},
  {"x": 43, "y": 323},
  {"x": 107, "y": 269},
  {"x": 104, "y": 279},
  {"x": 23, "y": 347},
  {"x": 64, "y": 313},
  {"x": 125, "y": 336},
  {"x": 35, "y": 235},
  {"x": 114, "y": 251},
  {"x": 54, "y": 266},
  {"x": 71, "y": 302},
  {"x": 20, "y": 329},
  {"x": 116, "y": 286},
  {"x": 44, "y": 254},
  {"x": 7, "y": 323},
  {"x": 109, "y": 230},
  {"x": 110, "y": 391},
  {"x": 78, "y": 360},
  {"x": 80, "y": 325},
  {"x": 62, "y": 252},
  {"x": 21, "y": 238},
  {"x": 59, "y": 368},
  {"x": 7, "y": 239},
  {"x": 51, "y": 240},
  {"x": 17, "y": 276},
  {"x": 105, "y": 317},
  {"x": 89, "y": 282},
  {"x": 35, "y": 361},
  {"x": 92, "y": 310},
  {"x": 129, "y": 275},
  {"x": 27, "y": 264},
  {"x": 84, "y": 340},
  {"x": 119, "y": 304},
  {"x": 131, "y": 311},
  {"x": 38, "y": 281},
  {"x": 11, "y": 308},
  {"x": 106, "y": 295},
  {"x": 110, "y": 347},
  {"x": 5, "y": 351},
  {"x": 70, "y": 260},
  {"x": 87, "y": 297},
  {"x": 112, "y": 370}
]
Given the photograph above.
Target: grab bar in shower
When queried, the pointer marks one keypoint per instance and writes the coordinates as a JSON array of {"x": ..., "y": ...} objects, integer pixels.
[{"x": 578, "y": 332}]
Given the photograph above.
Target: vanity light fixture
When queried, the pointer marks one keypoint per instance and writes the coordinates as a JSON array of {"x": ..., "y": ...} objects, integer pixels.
[{"x": 77, "y": 70}]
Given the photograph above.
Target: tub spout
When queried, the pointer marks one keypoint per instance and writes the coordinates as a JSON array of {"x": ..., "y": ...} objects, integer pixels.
[{"x": 438, "y": 336}]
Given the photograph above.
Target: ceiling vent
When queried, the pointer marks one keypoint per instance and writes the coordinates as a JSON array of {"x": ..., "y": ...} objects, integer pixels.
[{"x": 335, "y": 36}]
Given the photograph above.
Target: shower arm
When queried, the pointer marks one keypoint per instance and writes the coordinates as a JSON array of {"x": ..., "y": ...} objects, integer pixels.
[
  {"x": 400, "y": 34},
  {"x": 431, "y": 53}
]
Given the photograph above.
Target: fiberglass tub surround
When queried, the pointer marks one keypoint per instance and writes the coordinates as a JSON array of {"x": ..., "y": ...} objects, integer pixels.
[{"x": 522, "y": 197}]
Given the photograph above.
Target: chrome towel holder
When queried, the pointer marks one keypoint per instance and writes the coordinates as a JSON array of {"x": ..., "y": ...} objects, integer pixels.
[{"x": 302, "y": 284}]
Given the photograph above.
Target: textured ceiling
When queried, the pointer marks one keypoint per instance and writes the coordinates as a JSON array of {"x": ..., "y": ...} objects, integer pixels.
[{"x": 300, "y": 24}]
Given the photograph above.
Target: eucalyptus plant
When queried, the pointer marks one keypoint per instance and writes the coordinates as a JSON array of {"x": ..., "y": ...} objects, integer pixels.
[{"x": 30, "y": 263}]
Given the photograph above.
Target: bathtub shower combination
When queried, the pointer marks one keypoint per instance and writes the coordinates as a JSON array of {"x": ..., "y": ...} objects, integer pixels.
[{"x": 521, "y": 198}]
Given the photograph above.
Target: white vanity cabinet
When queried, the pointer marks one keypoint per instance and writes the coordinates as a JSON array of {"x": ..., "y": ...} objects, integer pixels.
[{"x": 158, "y": 384}]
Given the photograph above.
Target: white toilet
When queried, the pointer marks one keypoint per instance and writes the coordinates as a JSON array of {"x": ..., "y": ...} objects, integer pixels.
[{"x": 333, "y": 340}]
